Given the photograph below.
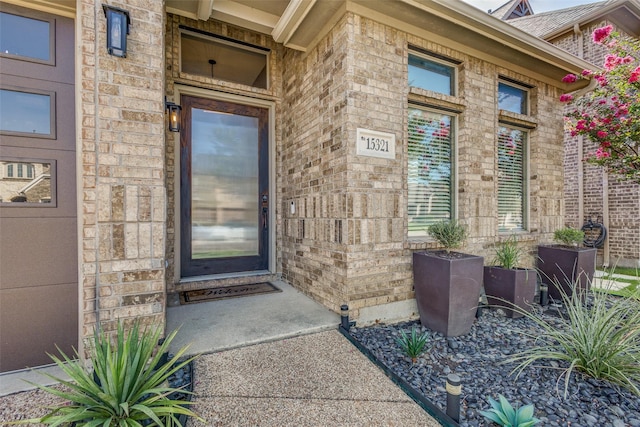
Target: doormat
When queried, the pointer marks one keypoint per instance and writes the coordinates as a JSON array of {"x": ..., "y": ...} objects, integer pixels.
[{"x": 214, "y": 294}]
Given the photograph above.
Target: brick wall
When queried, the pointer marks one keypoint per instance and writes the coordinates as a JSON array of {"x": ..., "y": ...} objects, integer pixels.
[
  {"x": 623, "y": 198},
  {"x": 122, "y": 195},
  {"x": 347, "y": 241}
]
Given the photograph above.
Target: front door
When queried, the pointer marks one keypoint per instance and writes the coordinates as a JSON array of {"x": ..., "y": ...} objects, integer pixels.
[{"x": 224, "y": 187}]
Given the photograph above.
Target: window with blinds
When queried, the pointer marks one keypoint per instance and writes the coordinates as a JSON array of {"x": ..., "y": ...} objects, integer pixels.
[
  {"x": 511, "y": 179},
  {"x": 430, "y": 164}
]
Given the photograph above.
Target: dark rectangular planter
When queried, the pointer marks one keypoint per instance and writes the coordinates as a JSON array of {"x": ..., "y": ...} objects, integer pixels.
[
  {"x": 564, "y": 266},
  {"x": 447, "y": 290},
  {"x": 509, "y": 288}
]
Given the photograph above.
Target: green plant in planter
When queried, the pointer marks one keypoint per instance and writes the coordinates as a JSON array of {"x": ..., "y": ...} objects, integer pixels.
[
  {"x": 413, "y": 345},
  {"x": 508, "y": 254},
  {"x": 503, "y": 414},
  {"x": 126, "y": 387},
  {"x": 568, "y": 236},
  {"x": 450, "y": 234}
]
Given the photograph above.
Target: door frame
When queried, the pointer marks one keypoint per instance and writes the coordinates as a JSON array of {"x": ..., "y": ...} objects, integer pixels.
[{"x": 239, "y": 99}]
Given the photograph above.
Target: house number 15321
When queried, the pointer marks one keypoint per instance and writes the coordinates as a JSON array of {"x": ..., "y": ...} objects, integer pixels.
[{"x": 376, "y": 144}]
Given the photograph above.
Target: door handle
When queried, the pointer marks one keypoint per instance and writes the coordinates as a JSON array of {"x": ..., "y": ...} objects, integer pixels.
[
  {"x": 265, "y": 218},
  {"x": 265, "y": 211}
]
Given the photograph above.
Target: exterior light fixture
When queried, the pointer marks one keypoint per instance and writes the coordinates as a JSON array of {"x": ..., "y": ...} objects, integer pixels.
[
  {"x": 118, "y": 23},
  {"x": 174, "y": 115}
]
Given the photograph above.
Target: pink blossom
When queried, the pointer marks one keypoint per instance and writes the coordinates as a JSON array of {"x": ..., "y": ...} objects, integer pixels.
[
  {"x": 601, "y": 134},
  {"x": 635, "y": 75},
  {"x": 580, "y": 125},
  {"x": 612, "y": 61},
  {"x": 600, "y": 34},
  {"x": 627, "y": 59},
  {"x": 601, "y": 153},
  {"x": 587, "y": 73},
  {"x": 565, "y": 97},
  {"x": 569, "y": 78}
]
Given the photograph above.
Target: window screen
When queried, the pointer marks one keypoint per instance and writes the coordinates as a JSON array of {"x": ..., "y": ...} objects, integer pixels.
[
  {"x": 430, "y": 143},
  {"x": 511, "y": 179}
]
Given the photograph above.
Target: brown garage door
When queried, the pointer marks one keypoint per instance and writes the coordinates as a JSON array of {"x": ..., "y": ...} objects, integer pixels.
[{"x": 38, "y": 234}]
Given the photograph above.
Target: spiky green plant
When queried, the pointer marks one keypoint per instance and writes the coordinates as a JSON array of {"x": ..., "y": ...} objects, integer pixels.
[
  {"x": 569, "y": 236},
  {"x": 599, "y": 337},
  {"x": 507, "y": 254},
  {"x": 450, "y": 234},
  {"x": 412, "y": 345},
  {"x": 503, "y": 414},
  {"x": 126, "y": 385}
]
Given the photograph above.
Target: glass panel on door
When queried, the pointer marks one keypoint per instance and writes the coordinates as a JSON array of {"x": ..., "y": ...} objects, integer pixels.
[{"x": 224, "y": 187}]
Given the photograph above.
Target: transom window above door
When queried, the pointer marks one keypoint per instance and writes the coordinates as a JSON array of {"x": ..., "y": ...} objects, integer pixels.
[
  {"x": 26, "y": 38},
  {"x": 216, "y": 57}
]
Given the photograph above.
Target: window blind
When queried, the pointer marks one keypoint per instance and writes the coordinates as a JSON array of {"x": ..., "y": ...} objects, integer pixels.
[
  {"x": 430, "y": 136},
  {"x": 511, "y": 179}
]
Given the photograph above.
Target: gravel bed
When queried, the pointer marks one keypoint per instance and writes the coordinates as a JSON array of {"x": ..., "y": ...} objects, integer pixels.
[{"x": 476, "y": 358}]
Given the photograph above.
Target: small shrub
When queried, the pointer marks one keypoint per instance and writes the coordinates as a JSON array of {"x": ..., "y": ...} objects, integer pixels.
[
  {"x": 508, "y": 254},
  {"x": 450, "y": 234},
  {"x": 599, "y": 336},
  {"x": 569, "y": 236},
  {"x": 126, "y": 387},
  {"x": 412, "y": 345},
  {"x": 503, "y": 414}
]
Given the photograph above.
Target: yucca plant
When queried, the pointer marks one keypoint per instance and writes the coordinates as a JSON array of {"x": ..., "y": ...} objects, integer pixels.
[
  {"x": 125, "y": 386},
  {"x": 413, "y": 345},
  {"x": 598, "y": 336},
  {"x": 503, "y": 414},
  {"x": 450, "y": 234}
]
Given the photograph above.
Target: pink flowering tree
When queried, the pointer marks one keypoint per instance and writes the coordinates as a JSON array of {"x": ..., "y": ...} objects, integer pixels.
[{"x": 610, "y": 114}]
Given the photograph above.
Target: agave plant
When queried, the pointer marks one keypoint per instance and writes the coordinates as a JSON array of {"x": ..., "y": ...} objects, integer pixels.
[
  {"x": 503, "y": 414},
  {"x": 125, "y": 386},
  {"x": 412, "y": 345}
]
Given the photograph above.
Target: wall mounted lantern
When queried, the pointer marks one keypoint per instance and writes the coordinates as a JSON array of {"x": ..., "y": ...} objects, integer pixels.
[
  {"x": 174, "y": 115},
  {"x": 118, "y": 23}
]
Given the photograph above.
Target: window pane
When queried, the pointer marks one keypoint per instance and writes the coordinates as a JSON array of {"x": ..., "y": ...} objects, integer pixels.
[
  {"x": 430, "y": 75},
  {"x": 25, "y": 112},
  {"x": 232, "y": 63},
  {"x": 429, "y": 179},
  {"x": 25, "y": 37},
  {"x": 224, "y": 189},
  {"x": 511, "y": 98},
  {"x": 30, "y": 184},
  {"x": 511, "y": 179}
]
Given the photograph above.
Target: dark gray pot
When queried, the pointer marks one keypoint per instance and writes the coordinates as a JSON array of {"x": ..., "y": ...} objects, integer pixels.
[
  {"x": 510, "y": 287},
  {"x": 447, "y": 290},
  {"x": 564, "y": 266}
]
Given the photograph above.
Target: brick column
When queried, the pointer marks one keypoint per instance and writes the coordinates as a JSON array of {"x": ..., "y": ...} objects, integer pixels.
[{"x": 121, "y": 159}]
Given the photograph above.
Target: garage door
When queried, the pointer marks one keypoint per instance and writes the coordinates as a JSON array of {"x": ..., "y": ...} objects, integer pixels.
[{"x": 38, "y": 233}]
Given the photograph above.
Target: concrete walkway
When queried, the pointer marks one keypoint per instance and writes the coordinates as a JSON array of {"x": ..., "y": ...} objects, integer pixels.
[
  {"x": 312, "y": 380},
  {"x": 230, "y": 323},
  {"x": 612, "y": 283}
]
